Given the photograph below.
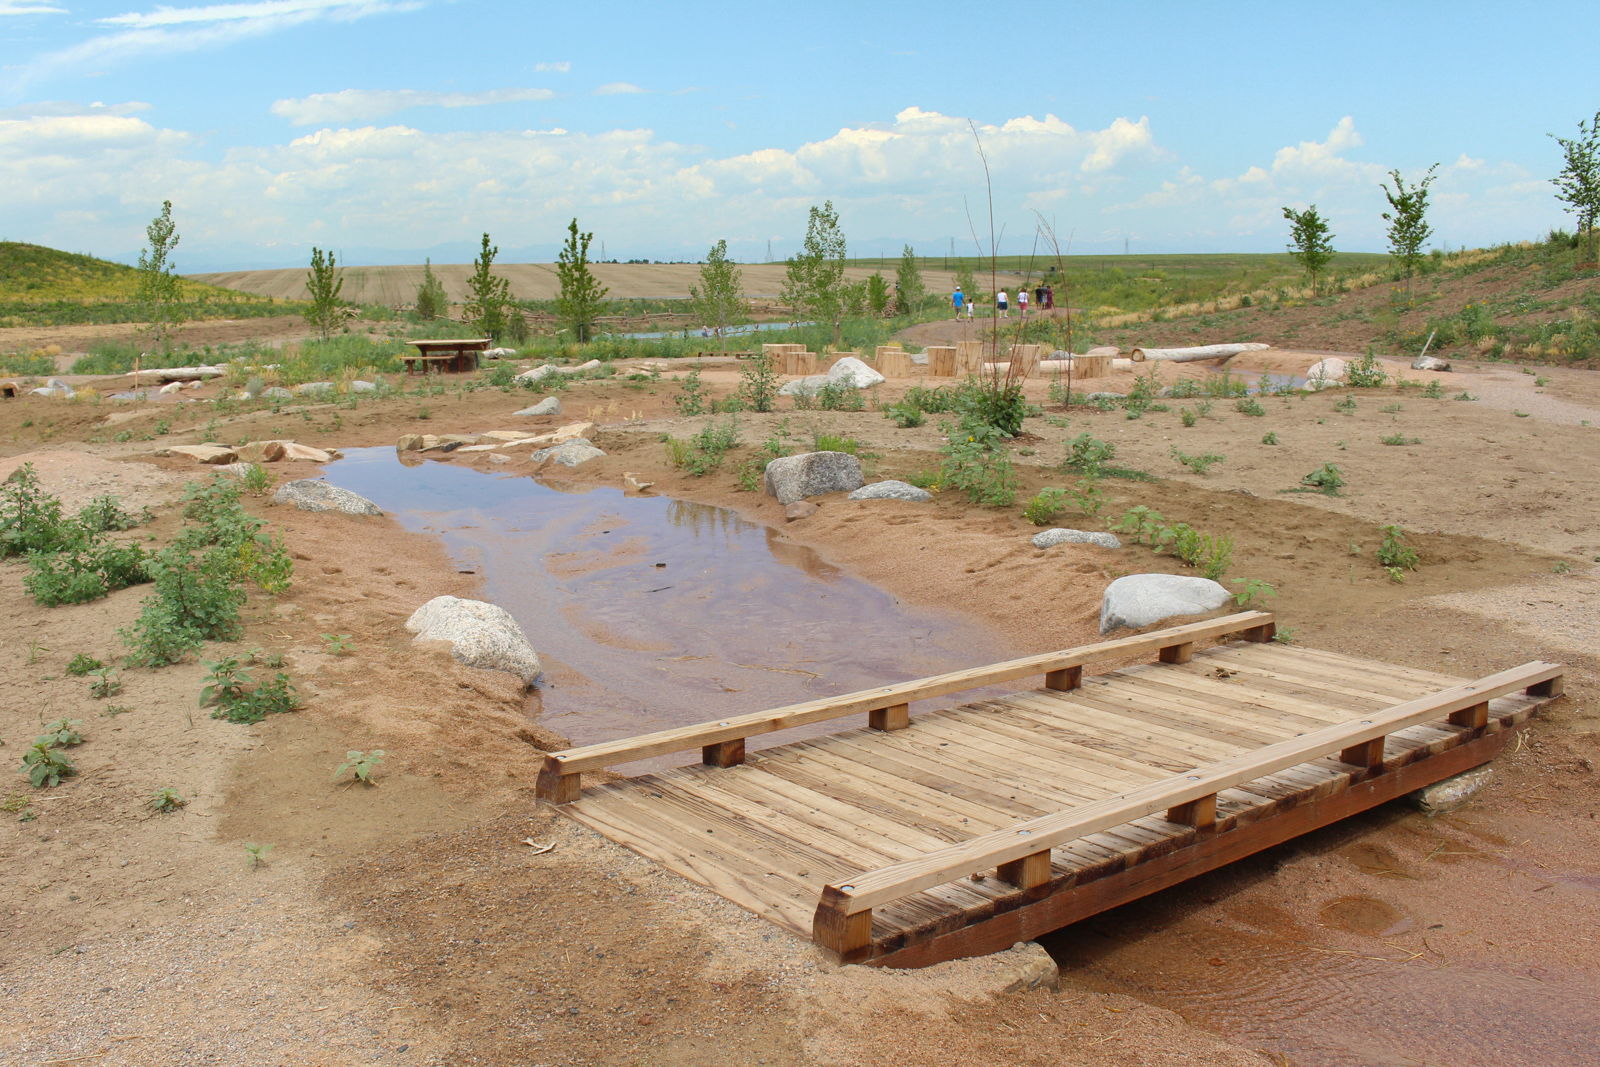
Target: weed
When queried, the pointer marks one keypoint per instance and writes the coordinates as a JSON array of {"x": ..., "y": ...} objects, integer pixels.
[
  {"x": 338, "y": 644},
  {"x": 1201, "y": 463},
  {"x": 976, "y": 460},
  {"x": 1392, "y": 409},
  {"x": 905, "y": 416},
  {"x": 362, "y": 763},
  {"x": 1253, "y": 587},
  {"x": 46, "y": 766},
  {"x": 63, "y": 733},
  {"x": 1269, "y": 438},
  {"x": 705, "y": 450},
  {"x": 225, "y": 684},
  {"x": 83, "y": 664},
  {"x": 1045, "y": 506},
  {"x": 1089, "y": 454},
  {"x": 1140, "y": 524},
  {"x": 691, "y": 398},
  {"x": 1434, "y": 390},
  {"x": 1346, "y": 406},
  {"x": 758, "y": 383},
  {"x": 840, "y": 396},
  {"x": 1396, "y": 574},
  {"x": 255, "y": 855},
  {"x": 1207, "y": 554},
  {"x": 1560, "y": 567},
  {"x": 111, "y": 711},
  {"x": 1394, "y": 552},
  {"x": 1187, "y": 417},
  {"x": 1521, "y": 414},
  {"x": 257, "y": 480},
  {"x": 1366, "y": 372},
  {"x": 1088, "y": 497},
  {"x": 828, "y": 442},
  {"x": 108, "y": 685},
  {"x": 1354, "y": 549},
  {"x": 1464, "y": 395},
  {"x": 422, "y": 413},
  {"x": 1325, "y": 479},
  {"x": 1249, "y": 406},
  {"x": 20, "y": 806},
  {"x": 1399, "y": 439},
  {"x": 166, "y": 800},
  {"x": 1284, "y": 635},
  {"x": 269, "y": 698},
  {"x": 1541, "y": 381}
]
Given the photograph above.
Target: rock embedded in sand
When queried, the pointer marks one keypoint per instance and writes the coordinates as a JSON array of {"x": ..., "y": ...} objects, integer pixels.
[
  {"x": 1326, "y": 372},
  {"x": 1024, "y": 966},
  {"x": 1061, "y": 536},
  {"x": 891, "y": 489},
  {"x": 306, "y": 452},
  {"x": 218, "y": 454},
  {"x": 550, "y": 405},
  {"x": 1452, "y": 793},
  {"x": 791, "y": 478},
  {"x": 800, "y": 509},
  {"x": 481, "y": 635},
  {"x": 359, "y": 386},
  {"x": 310, "y": 494},
  {"x": 1143, "y": 599},
  {"x": 854, "y": 372},
  {"x": 313, "y": 388},
  {"x": 1433, "y": 363},
  {"x": 56, "y": 389},
  {"x": 261, "y": 451},
  {"x": 277, "y": 392},
  {"x": 568, "y": 453}
]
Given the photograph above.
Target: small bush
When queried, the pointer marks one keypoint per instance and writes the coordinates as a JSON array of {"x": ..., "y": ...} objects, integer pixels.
[
  {"x": 1250, "y": 406},
  {"x": 905, "y": 416},
  {"x": 1399, "y": 439},
  {"x": 269, "y": 698},
  {"x": 1201, "y": 463},
  {"x": 977, "y": 462},
  {"x": 83, "y": 664},
  {"x": 1089, "y": 454},
  {"x": 1269, "y": 438},
  {"x": 1045, "y": 506},
  {"x": 1366, "y": 372},
  {"x": 166, "y": 800},
  {"x": 362, "y": 764},
  {"x": 1346, "y": 406},
  {"x": 1325, "y": 479},
  {"x": 46, "y": 766},
  {"x": 703, "y": 452},
  {"x": 1187, "y": 417},
  {"x": 829, "y": 442},
  {"x": 1394, "y": 552},
  {"x": 1253, "y": 588}
]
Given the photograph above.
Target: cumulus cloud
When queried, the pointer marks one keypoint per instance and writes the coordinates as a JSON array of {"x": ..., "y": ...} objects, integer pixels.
[
  {"x": 356, "y": 105},
  {"x": 65, "y": 108},
  {"x": 552, "y": 68},
  {"x": 615, "y": 88}
]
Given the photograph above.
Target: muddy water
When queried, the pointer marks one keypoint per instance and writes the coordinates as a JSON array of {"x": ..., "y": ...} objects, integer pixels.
[
  {"x": 1377, "y": 978},
  {"x": 649, "y": 612}
]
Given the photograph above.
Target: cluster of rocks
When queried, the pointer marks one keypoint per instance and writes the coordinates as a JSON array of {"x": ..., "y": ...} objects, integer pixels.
[
  {"x": 539, "y": 374},
  {"x": 252, "y": 452},
  {"x": 569, "y": 445}
]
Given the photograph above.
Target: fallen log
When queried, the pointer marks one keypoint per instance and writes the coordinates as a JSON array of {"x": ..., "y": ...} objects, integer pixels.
[
  {"x": 177, "y": 374},
  {"x": 1190, "y": 355}
]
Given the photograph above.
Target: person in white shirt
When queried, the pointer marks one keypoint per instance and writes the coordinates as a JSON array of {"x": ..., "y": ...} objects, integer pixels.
[
  {"x": 1022, "y": 302},
  {"x": 1000, "y": 304}
]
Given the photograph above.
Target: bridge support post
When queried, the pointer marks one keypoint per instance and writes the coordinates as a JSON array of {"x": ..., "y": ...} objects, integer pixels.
[
  {"x": 895, "y": 717},
  {"x": 1366, "y": 754},
  {"x": 557, "y": 788},
  {"x": 1064, "y": 680},
  {"x": 1201, "y": 813},
  {"x": 848, "y": 935},
  {"x": 1553, "y": 688},
  {"x": 723, "y": 753},
  {"x": 1029, "y": 872},
  {"x": 1473, "y": 718},
  {"x": 1177, "y": 653}
]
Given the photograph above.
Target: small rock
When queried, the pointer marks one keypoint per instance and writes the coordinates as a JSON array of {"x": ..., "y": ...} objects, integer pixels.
[
  {"x": 311, "y": 494},
  {"x": 854, "y": 372},
  {"x": 359, "y": 386},
  {"x": 306, "y": 452},
  {"x": 1026, "y": 965},
  {"x": 481, "y": 635},
  {"x": 1104, "y": 350},
  {"x": 800, "y": 509},
  {"x": 568, "y": 453},
  {"x": 631, "y": 483},
  {"x": 170, "y": 388},
  {"x": 1430, "y": 363},
  {"x": 536, "y": 374},
  {"x": 1452, "y": 793},
  {"x": 808, "y": 386},
  {"x": 500, "y": 353},
  {"x": 313, "y": 388},
  {"x": 1059, "y": 536},
  {"x": 238, "y": 470},
  {"x": 507, "y": 435},
  {"x": 1143, "y": 599},
  {"x": 56, "y": 389},
  {"x": 217, "y": 454},
  {"x": 497, "y": 458},
  {"x": 890, "y": 489},
  {"x": 409, "y": 442},
  {"x": 1105, "y": 396},
  {"x": 275, "y": 393},
  {"x": 792, "y": 478},
  {"x": 550, "y": 405},
  {"x": 261, "y": 451}
]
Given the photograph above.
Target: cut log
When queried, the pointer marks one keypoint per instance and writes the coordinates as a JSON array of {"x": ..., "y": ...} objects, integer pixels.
[
  {"x": 941, "y": 361},
  {"x": 1190, "y": 355}
]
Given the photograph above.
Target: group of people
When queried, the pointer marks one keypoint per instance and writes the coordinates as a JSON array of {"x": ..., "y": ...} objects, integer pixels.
[{"x": 1044, "y": 298}]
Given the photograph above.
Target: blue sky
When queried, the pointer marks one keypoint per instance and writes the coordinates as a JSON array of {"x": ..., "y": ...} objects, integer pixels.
[{"x": 393, "y": 129}]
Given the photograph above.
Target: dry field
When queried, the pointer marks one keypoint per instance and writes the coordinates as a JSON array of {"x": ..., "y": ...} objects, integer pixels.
[{"x": 409, "y": 922}]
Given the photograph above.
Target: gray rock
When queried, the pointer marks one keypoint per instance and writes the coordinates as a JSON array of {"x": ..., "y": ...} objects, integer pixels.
[
  {"x": 891, "y": 489},
  {"x": 237, "y": 469},
  {"x": 1326, "y": 373},
  {"x": 567, "y": 453},
  {"x": 359, "y": 386},
  {"x": 481, "y": 635},
  {"x": 313, "y": 388},
  {"x": 1144, "y": 599},
  {"x": 920, "y": 358},
  {"x": 536, "y": 374},
  {"x": 856, "y": 373},
  {"x": 277, "y": 393},
  {"x": 800, "y": 509},
  {"x": 1024, "y": 966},
  {"x": 1105, "y": 396},
  {"x": 1430, "y": 363},
  {"x": 1452, "y": 793},
  {"x": 55, "y": 387},
  {"x": 1060, "y": 536},
  {"x": 792, "y": 478},
  {"x": 550, "y": 405},
  {"x": 808, "y": 386},
  {"x": 500, "y": 353},
  {"x": 310, "y": 494}
]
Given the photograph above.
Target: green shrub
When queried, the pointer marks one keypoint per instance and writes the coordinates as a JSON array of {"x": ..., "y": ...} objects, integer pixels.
[
  {"x": 1250, "y": 406},
  {"x": 1269, "y": 438},
  {"x": 1089, "y": 454},
  {"x": 691, "y": 398},
  {"x": 840, "y": 396},
  {"x": 704, "y": 452},
  {"x": 1399, "y": 439},
  {"x": 1188, "y": 417},
  {"x": 1201, "y": 463},
  {"x": 978, "y": 463},
  {"x": 1325, "y": 479},
  {"x": 829, "y": 442},
  {"x": 269, "y": 698},
  {"x": 1366, "y": 372},
  {"x": 905, "y": 416},
  {"x": 1394, "y": 553},
  {"x": 1045, "y": 506},
  {"x": 82, "y": 664},
  {"x": 759, "y": 382},
  {"x": 46, "y": 766}
]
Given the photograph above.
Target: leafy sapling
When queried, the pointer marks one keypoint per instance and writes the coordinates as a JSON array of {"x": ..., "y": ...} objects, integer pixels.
[
  {"x": 361, "y": 764},
  {"x": 338, "y": 644},
  {"x": 166, "y": 800},
  {"x": 1253, "y": 587}
]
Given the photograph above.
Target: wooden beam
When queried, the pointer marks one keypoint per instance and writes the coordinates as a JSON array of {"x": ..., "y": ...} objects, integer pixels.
[
  {"x": 1029, "y": 872},
  {"x": 723, "y": 753},
  {"x": 1065, "y": 680},
  {"x": 1367, "y": 754},
  {"x": 894, "y": 717},
  {"x": 1260, "y": 634},
  {"x": 1551, "y": 687},
  {"x": 556, "y": 787},
  {"x": 1207, "y": 853},
  {"x": 850, "y": 936},
  {"x": 1182, "y": 653},
  {"x": 873, "y": 888},
  {"x": 682, "y": 739},
  {"x": 1473, "y": 718},
  {"x": 1200, "y": 814}
]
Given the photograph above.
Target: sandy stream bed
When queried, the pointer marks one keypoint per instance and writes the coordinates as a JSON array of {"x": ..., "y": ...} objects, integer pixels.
[{"x": 408, "y": 923}]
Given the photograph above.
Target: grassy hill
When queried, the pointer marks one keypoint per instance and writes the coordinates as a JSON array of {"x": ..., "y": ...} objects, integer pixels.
[{"x": 42, "y": 286}]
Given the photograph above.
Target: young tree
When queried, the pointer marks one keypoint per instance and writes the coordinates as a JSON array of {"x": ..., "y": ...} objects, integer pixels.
[
  {"x": 1313, "y": 243},
  {"x": 717, "y": 300},
  {"x": 581, "y": 292},
  {"x": 1578, "y": 184},
  {"x": 1408, "y": 224},
  {"x": 908, "y": 282},
  {"x": 432, "y": 303},
  {"x": 877, "y": 293},
  {"x": 487, "y": 294},
  {"x": 814, "y": 282},
  {"x": 160, "y": 291},
  {"x": 323, "y": 284}
]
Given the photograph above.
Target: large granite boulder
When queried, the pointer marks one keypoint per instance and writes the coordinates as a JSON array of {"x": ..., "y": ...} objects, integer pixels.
[
  {"x": 310, "y": 494},
  {"x": 890, "y": 489},
  {"x": 792, "y": 478},
  {"x": 1138, "y": 600},
  {"x": 1059, "y": 536},
  {"x": 1325, "y": 373},
  {"x": 854, "y": 372},
  {"x": 480, "y": 635}
]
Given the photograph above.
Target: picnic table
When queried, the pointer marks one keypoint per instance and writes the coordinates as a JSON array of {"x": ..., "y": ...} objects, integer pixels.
[{"x": 450, "y": 355}]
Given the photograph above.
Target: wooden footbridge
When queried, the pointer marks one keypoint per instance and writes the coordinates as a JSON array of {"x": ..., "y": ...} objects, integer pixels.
[{"x": 968, "y": 829}]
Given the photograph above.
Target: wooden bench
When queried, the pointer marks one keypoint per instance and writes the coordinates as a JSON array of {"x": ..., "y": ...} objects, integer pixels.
[{"x": 457, "y": 355}]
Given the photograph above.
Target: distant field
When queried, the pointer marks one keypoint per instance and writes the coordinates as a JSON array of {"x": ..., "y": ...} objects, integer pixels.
[{"x": 529, "y": 281}]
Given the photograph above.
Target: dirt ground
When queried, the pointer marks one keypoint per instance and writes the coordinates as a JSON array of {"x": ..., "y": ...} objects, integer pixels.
[{"x": 412, "y": 922}]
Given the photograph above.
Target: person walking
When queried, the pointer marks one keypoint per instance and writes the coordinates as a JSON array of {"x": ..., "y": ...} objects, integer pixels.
[
  {"x": 1022, "y": 302},
  {"x": 1000, "y": 304},
  {"x": 957, "y": 299}
]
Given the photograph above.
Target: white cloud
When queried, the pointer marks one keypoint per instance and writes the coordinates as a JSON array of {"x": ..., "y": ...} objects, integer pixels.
[
  {"x": 552, "y": 68},
  {"x": 355, "y": 105},
  {"x": 173, "y": 30},
  {"x": 67, "y": 108},
  {"x": 21, "y": 7},
  {"x": 615, "y": 88}
]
